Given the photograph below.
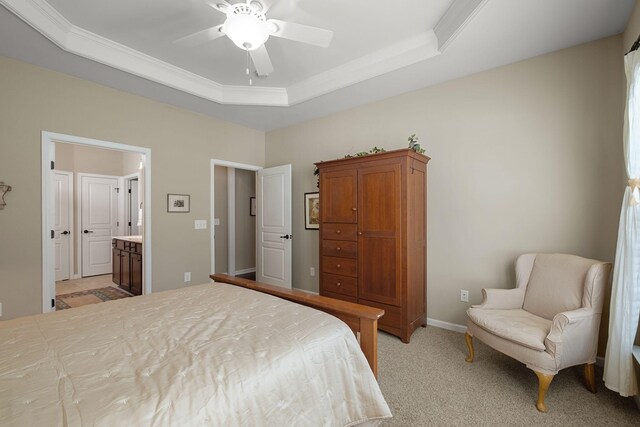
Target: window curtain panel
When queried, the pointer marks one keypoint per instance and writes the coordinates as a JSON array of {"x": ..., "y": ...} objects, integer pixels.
[{"x": 625, "y": 294}]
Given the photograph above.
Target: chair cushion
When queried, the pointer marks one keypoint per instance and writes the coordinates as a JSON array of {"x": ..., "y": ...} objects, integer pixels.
[
  {"x": 516, "y": 325},
  {"x": 556, "y": 284}
]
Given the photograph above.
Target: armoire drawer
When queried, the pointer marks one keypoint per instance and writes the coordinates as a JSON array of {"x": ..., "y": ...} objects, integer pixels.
[
  {"x": 340, "y": 231},
  {"x": 340, "y": 266},
  {"x": 340, "y": 284},
  {"x": 340, "y": 248}
]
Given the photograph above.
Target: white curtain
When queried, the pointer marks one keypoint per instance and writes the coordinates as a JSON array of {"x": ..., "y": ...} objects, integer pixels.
[{"x": 625, "y": 295}]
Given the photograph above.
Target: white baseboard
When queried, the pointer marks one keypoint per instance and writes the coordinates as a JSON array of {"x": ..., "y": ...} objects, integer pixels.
[
  {"x": 446, "y": 325},
  {"x": 246, "y": 271}
]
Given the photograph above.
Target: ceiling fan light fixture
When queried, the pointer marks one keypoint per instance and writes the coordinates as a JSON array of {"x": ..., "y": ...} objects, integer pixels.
[{"x": 247, "y": 31}]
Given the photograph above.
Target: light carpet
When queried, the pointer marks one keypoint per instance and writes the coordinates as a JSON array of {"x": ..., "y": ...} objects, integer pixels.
[{"x": 428, "y": 382}]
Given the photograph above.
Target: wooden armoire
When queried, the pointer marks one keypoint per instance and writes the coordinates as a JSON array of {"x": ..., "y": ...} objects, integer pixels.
[{"x": 373, "y": 235}]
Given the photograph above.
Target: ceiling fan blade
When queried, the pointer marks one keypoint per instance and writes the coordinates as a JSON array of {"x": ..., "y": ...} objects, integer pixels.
[
  {"x": 301, "y": 33},
  {"x": 261, "y": 61},
  {"x": 201, "y": 36},
  {"x": 219, "y": 5}
]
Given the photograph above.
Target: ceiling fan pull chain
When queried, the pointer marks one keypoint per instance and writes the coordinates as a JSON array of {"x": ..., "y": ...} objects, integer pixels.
[{"x": 248, "y": 70}]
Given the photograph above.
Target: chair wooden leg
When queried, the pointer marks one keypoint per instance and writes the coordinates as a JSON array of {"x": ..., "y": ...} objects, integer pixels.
[
  {"x": 590, "y": 377},
  {"x": 469, "y": 339},
  {"x": 543, "y": 385}
]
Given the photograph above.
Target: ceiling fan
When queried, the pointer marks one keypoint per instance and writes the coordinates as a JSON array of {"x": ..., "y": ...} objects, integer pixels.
[{"x": 248, "y": 27}]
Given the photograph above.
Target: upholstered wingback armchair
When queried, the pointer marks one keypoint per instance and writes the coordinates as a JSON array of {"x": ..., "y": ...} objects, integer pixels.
[{"x": 550, "y": 321}]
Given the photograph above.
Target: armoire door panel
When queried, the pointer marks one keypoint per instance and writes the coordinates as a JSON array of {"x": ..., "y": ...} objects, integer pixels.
[
  {"x": 379, "y": 199},
  {"x": 379, "y": 270},
  {"x": 338, "y": 196}
]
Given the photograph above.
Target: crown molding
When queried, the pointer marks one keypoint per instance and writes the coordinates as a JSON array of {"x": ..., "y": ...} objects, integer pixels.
[
  {"x": 454, "y": 20},
  {"x": 399, "y": 55},
  {"x": 49, "y": 22}
]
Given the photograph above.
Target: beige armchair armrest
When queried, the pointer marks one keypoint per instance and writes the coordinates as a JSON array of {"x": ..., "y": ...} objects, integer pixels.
[
  {"x": 504, "y": 299},
  {"x": 573, "y": 338}
]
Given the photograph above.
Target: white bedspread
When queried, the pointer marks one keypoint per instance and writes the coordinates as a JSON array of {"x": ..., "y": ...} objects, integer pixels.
[{"x": 211, "y": 354}]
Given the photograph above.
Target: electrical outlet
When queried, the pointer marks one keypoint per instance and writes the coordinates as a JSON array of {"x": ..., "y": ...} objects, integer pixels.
[
  {"x": 464, "y": 295},
  {"x": 312, "y": 272},
  {"x": 216, "y": 221},
  {"x": 187, "y": 276},
  {"x": 200, "y": 224}
]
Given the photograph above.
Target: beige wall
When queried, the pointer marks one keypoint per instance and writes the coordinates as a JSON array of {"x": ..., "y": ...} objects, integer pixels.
[
  {"x": 525, "y": 157},
  {"x": 181, "y": 142},
  {"x": 245, "y": 224}
]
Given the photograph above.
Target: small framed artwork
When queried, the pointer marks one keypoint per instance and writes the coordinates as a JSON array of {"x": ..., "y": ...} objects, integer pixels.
[
  {"x": 252, "y": 206},
  {"x": 312, "y": 211},
  {"x": 178, "y": 203}
]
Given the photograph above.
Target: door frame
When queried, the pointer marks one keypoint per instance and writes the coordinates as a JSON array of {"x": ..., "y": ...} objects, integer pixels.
[
  {"x": 231, "y": 246},
  {"x": 71, "y": 191},
  {"x": 78, "y": 211},
  {"x": 48, "y": 257},
  {"x": 125, "y": 202}
]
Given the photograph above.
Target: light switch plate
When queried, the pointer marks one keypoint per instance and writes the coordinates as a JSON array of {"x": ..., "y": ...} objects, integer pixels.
[
  {"x": 200, "y": 224},
  {"x": 216, "y": 221},
  {"x": 187, "y": 276}
]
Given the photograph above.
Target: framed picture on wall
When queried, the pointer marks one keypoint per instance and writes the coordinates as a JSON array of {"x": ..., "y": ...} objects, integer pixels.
[
  {"x": 178, "y": 203},
  {"x": 252, "y": 206},
  {"x": 312, "y": 211}
]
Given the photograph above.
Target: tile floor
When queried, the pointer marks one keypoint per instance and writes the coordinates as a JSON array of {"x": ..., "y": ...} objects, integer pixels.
[{"x": 84, "y": 284}]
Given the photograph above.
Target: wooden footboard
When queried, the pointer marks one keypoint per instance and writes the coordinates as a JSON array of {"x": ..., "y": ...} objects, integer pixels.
[{"x": 360, "y": 318}]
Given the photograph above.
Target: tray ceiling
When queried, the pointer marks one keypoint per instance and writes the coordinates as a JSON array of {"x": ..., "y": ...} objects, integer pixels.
[{"x": 379, "y": 49}]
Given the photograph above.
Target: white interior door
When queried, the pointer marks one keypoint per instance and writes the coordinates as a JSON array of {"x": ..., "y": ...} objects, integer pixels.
[
  {"x": 62, "y": 199},
  {"x": 99, "y": 221},
  {"x": 274, "y": 226}
]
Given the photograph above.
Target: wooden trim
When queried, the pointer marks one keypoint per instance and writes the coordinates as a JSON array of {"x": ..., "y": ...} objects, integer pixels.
[{"x": 360, "y": 318}]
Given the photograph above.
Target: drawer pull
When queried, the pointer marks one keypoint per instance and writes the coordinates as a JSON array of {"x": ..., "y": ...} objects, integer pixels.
[
  {"x": 353, "y": 209},
  {"x": 338, "y": 266},
  {"x": 338, "y": 231},
  {"x": 338, "y": 249},
  {"x": 359, "y": 233},
  {"x": 338, "y": 284}
]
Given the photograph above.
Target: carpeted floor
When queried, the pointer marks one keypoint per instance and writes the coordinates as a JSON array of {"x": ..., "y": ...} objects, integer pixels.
[
  {"x": 91, "y": 296},
  {"x": 428, "y": 383}
]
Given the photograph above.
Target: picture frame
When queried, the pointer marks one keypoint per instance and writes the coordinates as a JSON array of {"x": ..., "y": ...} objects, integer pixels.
[
  {"x": 178, "y": 203},
  {"x": 312, "y": 211},
  {"x": 253, "y": 208}
]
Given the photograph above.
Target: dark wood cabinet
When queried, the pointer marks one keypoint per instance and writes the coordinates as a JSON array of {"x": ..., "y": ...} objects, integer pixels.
[
  {"x": 127, "y": 265},
  {"x": 373, "y": 235}
]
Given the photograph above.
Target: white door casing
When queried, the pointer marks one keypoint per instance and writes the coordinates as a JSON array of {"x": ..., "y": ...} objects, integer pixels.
[
  {"x": 274, "y": 226},
  {"x": 62, "y": 223},
  {"x": 99, "y": 221}
]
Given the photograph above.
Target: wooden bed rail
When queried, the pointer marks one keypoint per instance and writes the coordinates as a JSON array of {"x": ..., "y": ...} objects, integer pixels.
[{"x": 360, "y": 318}]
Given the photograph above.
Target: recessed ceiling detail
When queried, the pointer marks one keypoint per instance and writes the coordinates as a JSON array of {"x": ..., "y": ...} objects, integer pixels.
[{"x": 448, "y": 17}]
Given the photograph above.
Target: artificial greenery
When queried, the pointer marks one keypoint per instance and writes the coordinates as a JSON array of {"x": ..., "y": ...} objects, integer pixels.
[{"x": 413, "y": 144}]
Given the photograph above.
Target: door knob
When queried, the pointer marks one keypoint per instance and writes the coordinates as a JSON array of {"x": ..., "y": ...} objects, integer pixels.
[
  {"x": 87, "y": 231},
  {"x": 287, "y": 236},
  {"x": 65, "y": 232}
]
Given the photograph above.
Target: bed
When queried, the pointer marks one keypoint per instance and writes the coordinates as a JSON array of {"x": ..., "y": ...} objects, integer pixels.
[{"x": 215, "y": 354}]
